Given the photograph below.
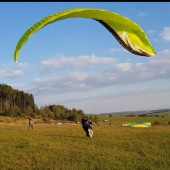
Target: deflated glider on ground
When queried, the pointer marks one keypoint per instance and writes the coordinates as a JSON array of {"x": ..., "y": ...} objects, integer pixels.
[
  {"x": 137, "y": 125},
  {"x": 129, "y": 34}
]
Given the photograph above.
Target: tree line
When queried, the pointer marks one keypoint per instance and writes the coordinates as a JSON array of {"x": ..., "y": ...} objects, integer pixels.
[
  {"x": 21, "y": 104},
  {"x": 14, "y": 102}
]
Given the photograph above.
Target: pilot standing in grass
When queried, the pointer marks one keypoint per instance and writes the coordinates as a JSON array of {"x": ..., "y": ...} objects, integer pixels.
[
  {"x": 30, "y": 123},
  {"x": 87, "y": 126}
]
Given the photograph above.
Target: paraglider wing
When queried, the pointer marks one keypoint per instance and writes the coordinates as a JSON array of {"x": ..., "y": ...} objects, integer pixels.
[{"x": 129, "y": 34}]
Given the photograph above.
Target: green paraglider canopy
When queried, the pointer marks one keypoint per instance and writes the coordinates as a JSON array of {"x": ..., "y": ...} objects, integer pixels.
[{"x": 129, "y": 34}]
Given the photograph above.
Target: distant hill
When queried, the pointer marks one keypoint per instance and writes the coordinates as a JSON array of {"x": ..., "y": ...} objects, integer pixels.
[{"x": 139, "y": 112}]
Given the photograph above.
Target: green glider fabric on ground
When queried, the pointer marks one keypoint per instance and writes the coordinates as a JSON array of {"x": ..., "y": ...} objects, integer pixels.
[
  {"x": 129, "y": 34},
  {"x": 137, "y": 125}
]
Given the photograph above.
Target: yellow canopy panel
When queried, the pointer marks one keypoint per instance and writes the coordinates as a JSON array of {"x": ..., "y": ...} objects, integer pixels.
[{"x": 137, "y": 125}]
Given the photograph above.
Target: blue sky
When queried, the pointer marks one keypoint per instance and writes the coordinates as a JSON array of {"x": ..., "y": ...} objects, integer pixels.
[{"x": 78, "y": 63}]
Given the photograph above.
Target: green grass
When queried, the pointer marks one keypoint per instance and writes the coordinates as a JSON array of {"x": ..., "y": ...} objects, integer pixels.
[
  {"x": 118, "y": 120},
  {"x": 65, "y": 147}
]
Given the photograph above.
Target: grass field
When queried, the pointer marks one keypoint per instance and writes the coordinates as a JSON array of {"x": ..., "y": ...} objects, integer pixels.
[{"x": 65, "y": 146}]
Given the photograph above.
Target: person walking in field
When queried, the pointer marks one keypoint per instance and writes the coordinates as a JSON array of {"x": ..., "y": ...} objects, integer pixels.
[
  {"x": 30, "y": 123},
  {"x": 87, "y": 126}
]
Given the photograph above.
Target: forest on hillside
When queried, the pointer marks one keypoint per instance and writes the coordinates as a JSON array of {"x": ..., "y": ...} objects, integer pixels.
[
  {"x": 14, "y": 102},
  {"x": 21, "y": 104}
]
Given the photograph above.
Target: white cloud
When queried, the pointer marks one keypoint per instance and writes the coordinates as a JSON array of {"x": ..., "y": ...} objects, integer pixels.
[
  {"x": 124, "y": 100},
  {"x": 78, "y": 76},
  {"x": 113, "y": 73},
  {"x": 18, "y": 86},
  {"x": 151, "y": 31},
  {"x": 61, "y": 84},
  {"x": 81, "y": 63},
  {"x": 10, "y": 73},
  {"x": 80, "y": 80},
  {"x": 141, "y": 14},
  {"x": 22, "y": 65},
  {"x": 14, "y": 65},
  {"x": 12, "y": 70},
  {"x": 166, "y": 34},
  {"x": 124, "y": 66},
  {"x": 113, "y": 50},
  {"x": 162, "y": 59}
]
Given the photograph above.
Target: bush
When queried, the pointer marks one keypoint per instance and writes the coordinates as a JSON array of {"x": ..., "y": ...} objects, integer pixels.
[
  {"x": 156, "y": 123},
  {"x": 46, "y": 119}
]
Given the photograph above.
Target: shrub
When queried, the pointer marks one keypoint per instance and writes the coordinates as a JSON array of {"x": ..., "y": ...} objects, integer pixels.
[{"x": 156, "y": 123}]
